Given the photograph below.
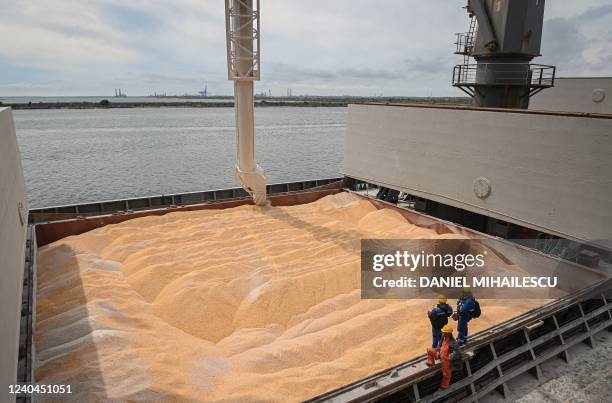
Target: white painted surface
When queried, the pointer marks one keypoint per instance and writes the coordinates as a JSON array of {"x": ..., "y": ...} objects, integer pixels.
[
  {"x": 242, "y": 27},
  {"x": 548, "y": 172},
  {"x": 592, "y": 95},
  {"x": 12, "y": 248}
]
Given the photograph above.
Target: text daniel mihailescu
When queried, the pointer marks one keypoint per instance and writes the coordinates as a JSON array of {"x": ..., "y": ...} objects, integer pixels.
[{"x": 459, "y": 262}]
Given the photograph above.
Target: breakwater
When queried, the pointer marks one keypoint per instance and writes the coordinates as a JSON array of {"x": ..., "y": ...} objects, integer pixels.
[{"x": 312, "y": 102}]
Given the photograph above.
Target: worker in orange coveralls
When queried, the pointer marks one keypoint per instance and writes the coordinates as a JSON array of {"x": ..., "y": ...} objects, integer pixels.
[{"x": 447, "y": 346}]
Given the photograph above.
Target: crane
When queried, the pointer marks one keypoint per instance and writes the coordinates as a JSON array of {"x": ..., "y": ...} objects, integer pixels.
[{"x": 242, "y": 38}]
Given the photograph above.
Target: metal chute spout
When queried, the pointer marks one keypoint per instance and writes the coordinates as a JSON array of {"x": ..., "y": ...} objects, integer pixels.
[
  {"x": 242, "y": 25},
  {"x": 250, "y": 175},
  {"x": 254, "y": 182}
]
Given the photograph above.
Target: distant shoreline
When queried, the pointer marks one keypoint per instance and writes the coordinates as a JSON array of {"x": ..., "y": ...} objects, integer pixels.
[{"x": 106, "y": 104}]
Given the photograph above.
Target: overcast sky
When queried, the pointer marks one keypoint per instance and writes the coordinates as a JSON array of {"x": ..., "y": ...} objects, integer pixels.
[{"x": 322, "y": 47}]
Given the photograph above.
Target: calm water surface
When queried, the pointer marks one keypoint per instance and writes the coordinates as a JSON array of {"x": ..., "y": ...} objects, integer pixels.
[{"x": 76, "y": 156}]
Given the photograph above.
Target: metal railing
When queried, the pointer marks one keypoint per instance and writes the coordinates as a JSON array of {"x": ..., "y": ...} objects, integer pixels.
[
  {"x": 500, "y": 354},
  {"x": 533, "y": 76},
  {"x": 465, "y": 43},
  {"x": 177, "y": 199}
]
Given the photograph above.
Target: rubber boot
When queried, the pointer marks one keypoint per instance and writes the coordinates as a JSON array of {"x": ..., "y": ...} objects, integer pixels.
[{"x": 431, "y": 356}]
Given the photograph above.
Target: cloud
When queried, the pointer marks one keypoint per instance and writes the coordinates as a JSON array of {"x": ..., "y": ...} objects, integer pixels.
[
  {"x": 154, "y": 78},
  {"x": 395, "y": 47},
  {"x": 595, "y": 13},
  {"x": 279, "y": 72},
  {"x": 369, "y": 74},
  {"x": 579, "y": 44},
  {"x": 60, "y": 35},
  {"x": 39, "y": 47},
  {"x": 282, "y": 72},
  {"x": 566, "y": 44},
  {"x": 433, "y": 65}
]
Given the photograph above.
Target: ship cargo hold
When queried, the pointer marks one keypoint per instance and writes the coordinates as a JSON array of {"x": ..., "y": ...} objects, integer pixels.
[{"x": 254, "y": 293}]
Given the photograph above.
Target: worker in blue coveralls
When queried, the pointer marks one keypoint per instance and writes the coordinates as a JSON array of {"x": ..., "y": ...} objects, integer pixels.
[
  {"x": 438, "y": 317},
  {"x": 467, "y": 309}
]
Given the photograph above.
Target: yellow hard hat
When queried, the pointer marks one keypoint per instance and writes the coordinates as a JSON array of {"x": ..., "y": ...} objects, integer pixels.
[
  {"x": 447, "y": 329},
  {"x": 442, "y": 299}
]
